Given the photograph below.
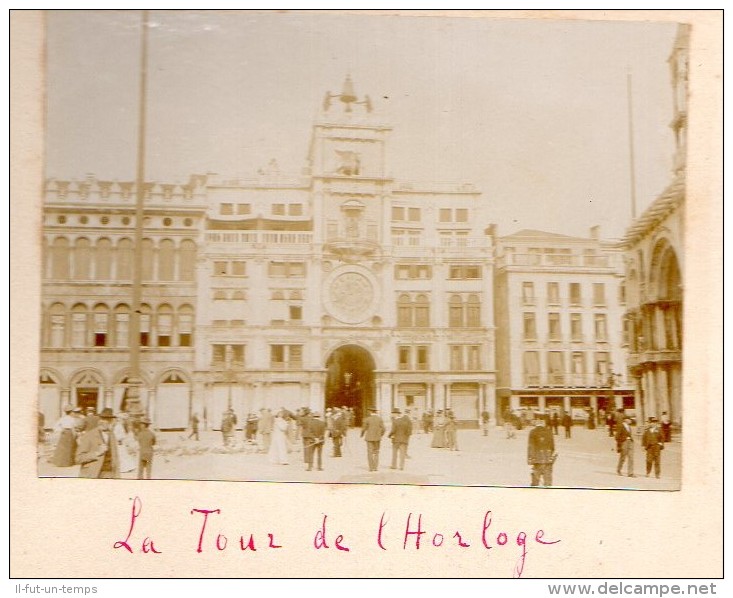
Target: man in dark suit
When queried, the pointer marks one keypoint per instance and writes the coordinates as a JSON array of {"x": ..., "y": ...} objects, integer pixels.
[
  {"x": 653, "y": 443},
  {"x": 541, "y": 453},
  {"x": 372, "y": 431},
  {"x": 96, "y": 450},
  {"x": 314, "y": 434},
  {"x": 338, "y": 431},
  {"x": 625, "y": 447},
  {"x": 400, "y": 435},
  {"x": 146, "y": 442}
]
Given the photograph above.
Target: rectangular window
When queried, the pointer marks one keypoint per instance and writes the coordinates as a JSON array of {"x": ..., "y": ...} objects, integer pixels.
[
  {"x": 239, "y": 268},
  {"x": 553, "y": 324},
  {"x": 286, "y": 269},
  {"x": 296, "y": 355},
  {"x": 422, "y": 358},
  {"x": 278, "y": 209},
  {"x": 244, "y": 208},
  {"x": 296, "y": 313},
  {"x": 413, "y": 238},
  {"x": 474, "y": 357},
  {"x": 402, "y": 272},
  {"x": 578, "y": 368},
  {"x": 220, "y": 268},
  {"x": 599, "y": 293},
  {"x": 404, "y": 357},
  {"x": 601, "y": 368},
  {"x": 414, "y": 214},
  {"x": 295, "y": 209},
  {"x": 226, "y": 209},
  {"x": 576, "y": 327},
  {"x": 122, "y": 330},
  {"x": 530, "y": 327},
  {"x": 446, "y": 215},
  {"x": 237, "y": 356},
  {"x": 473, "y": 315},
  {"x": 465, "y": 272},
  {"x": 553, "y": 293},
  {"x": 422, "y": 316},
  {"x": 575, "y": 293},
  {"x": 461, "y": 215},
  {"x": 456, "y": 357},
  {"x": 398, "y": 213},
  {"x": 455, "y": 315},
  {"x": 218, "y": 355},
  {"x": 531, "y": 368},
  {"x": 296, "y": 269},
  {"x": 601, "y": 328},
  {"x": 528, "y": 293},
  {"x": 556, "y": 367}
]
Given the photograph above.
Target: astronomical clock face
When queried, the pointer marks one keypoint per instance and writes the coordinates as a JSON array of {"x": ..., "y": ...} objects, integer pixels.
[{"x": 350, "y": 296}]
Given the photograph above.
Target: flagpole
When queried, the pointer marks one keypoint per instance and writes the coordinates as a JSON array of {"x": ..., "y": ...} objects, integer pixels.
[{"x": 134, "y": 403}]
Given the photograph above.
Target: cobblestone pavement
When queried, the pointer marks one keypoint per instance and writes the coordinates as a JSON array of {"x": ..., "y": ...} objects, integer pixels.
[{"x": 587, "y": 460}]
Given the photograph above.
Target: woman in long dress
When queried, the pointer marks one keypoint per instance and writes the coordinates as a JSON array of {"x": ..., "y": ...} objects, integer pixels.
[
  {"x": 127, "y": 445},
  {"x": 439, "y": 423},
  {"x": 278, "y": 452},
  {"x": 65, "y": 430}
]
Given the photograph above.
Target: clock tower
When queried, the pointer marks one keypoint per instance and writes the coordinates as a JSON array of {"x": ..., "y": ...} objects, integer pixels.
[{"x": 347, "y": 160}]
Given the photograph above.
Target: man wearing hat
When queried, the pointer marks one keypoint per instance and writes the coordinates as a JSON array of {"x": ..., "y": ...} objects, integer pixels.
[
  {"x": 400, "y": 435},
  {"x": 372, "y": 431},
  {"x": 653, "y": 443},
  {"x": 625, "y": 447},
  {"x": 145, "y": 442},
  {"x": 541, "y": 453},
  {"x": 314, "y": 433},
  {"x": 97, "y": 449}
]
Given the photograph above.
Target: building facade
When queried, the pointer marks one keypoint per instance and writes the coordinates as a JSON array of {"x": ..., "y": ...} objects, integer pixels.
[
  {"x": 654, "y": 258},
  {"x": 559, "y": 304},
  {"x": 338, "y": 286}
]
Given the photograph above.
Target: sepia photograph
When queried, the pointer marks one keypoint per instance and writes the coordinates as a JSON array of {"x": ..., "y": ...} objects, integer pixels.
[{"x": 340, "y": 248}]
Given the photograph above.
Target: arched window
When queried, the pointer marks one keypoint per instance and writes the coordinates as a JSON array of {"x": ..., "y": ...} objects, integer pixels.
[
  {"x": 79, "y": 325},
  {"x": 473, "y": 311},
  {"x": 144, "y": 316},
  {"x": 148, "y": 254},
  {"x": 166, "y": 260},
  {"x": 103, "y": 265},
  {"x": 101, "y": 325},
  {"x": 124, "y": 259},
  {"x": 404, "y": 311},
  {"x": 57, "y": 325},
  {"x": 185, "y": 326},
  {"x": 60, "y": 259},
  {"x": 422, "y": 311},
  {"x": 164, "y": 325},
  {"x": 187, "y": 262},
  {"x": 82, "y": 259},
  {"x": 455, "y": 312},
  {"x": 122, "y": 326}
]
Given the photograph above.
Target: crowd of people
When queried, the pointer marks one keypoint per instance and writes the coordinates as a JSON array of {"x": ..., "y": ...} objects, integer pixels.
[
  {"x": 107, "y": 445},
  {"x": 103, "y": 445}
]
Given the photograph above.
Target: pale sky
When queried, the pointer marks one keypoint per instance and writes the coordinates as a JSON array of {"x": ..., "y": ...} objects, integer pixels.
[{"x": 534, "y": 113}]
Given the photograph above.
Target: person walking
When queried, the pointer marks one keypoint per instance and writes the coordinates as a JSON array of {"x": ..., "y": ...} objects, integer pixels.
[
  {"x": 264, "y": 429},
  {"x": 567, "y": 423},
  {"x": 439, "y": 424},
  {"x": 485, "y": 417},
  {"x": 509, "y": 427},
  {"x": 278, "y": 451},
  {"x": 194, "y": 426},
  {"x": 96, "y": 451},
  {"x": 541, "y": 453},
  {"x": 625, "y": 447},
  {"x": 653, "y": 443},
  {"x": 146, "y": 443},
  {"x": 555, "y": 423},
  {"x": 400, "y": 435},
  {"x": 65, "y": 431},
  {"x": 314, "y": 434},
  {"x": 338, "y": 431},
  {"x": 228, "y": 425},
  {"x": 451, "y": 432},
  {"x": 372, "y": 431}
]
